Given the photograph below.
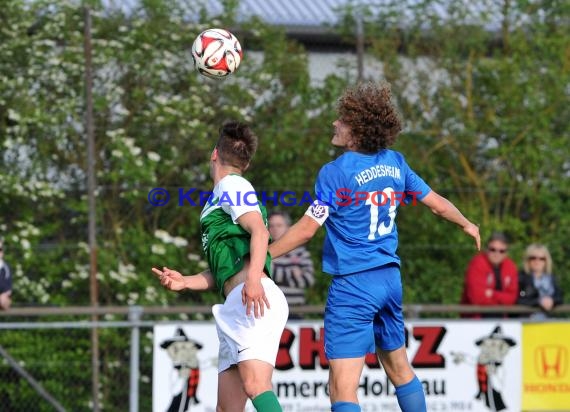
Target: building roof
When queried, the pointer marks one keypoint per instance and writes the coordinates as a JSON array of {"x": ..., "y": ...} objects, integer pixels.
[
  {"x": 318, "y": 13},
  {"x": 297, "y": 12},
  {"x": 294, "y": 13},
  {"x": 311, "y": 20}
]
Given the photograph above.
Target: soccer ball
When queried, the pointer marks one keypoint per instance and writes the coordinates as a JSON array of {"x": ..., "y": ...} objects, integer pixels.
[{"x": 216, "y": 53}]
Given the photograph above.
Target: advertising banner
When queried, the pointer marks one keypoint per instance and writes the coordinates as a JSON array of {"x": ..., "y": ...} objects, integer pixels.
[
  {"x": 546, "y": 367},
  {"x": 464, "y": 366}
]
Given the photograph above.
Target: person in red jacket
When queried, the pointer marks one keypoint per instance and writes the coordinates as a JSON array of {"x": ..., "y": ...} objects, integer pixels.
[{"x": 491, "y": 277}]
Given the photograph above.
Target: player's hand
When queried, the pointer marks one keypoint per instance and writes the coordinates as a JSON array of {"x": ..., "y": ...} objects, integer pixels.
[
  {"x": 547, "y": 303},
  {"x": 5, "y": 300},
  {"x": 170, "y": 279},
  {"x": 473, "y": 230},
  {"x": 253, "y": 297}
]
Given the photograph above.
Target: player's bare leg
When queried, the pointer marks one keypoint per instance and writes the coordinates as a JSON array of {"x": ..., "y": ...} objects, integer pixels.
[
  {"x": 344, "y": 378},
  {"x": 409, "y": 390},
  {"x": 231, "y": 395},
  {"x": 256, "y": 378},
  {"x": 396, "y": 365}
]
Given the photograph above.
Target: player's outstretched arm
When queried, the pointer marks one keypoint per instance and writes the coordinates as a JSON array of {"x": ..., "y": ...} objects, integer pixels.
[
  {"x": 174, "y": 280},
  {"x": 297, "y": 235},
  {"x": 440, "y": 206}
]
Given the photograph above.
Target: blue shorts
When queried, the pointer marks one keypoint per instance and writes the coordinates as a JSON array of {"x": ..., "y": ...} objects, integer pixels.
[{"x": 364, "y": 311}]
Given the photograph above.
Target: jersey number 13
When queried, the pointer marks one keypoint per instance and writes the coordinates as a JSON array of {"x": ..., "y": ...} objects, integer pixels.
[{"x": 376, "y": 200}]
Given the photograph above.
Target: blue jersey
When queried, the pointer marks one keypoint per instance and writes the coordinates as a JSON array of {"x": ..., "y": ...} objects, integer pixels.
[{"x": 360, "y": 195}]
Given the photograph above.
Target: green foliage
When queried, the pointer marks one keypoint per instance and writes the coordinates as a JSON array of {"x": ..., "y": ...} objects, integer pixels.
[
  {"x": 56, "y": 360},
  {"x": 481, "y": 89},
  {"x": 484, "y": 93},
  {"x": 155, "y": 122}
]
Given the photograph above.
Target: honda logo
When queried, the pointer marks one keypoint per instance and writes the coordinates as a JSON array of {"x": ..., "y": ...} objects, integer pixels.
[{"x": 551, "y": 361}]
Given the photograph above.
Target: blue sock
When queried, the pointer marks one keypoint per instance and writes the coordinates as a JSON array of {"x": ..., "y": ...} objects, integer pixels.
[
  {"x": 345, "y": 407},
  {"x": 411, "y": 396}
]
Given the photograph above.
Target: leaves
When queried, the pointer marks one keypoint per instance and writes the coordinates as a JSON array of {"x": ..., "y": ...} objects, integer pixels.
[
  {"x": 484, "y": 123},
  {"x": 481, "y": 96},
  {"x": 482, "y": 86}
]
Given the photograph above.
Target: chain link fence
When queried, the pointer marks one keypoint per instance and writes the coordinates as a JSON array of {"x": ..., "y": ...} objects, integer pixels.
[
  {"x": 47, "y": 364},
  {"x": 46, "y": 368},
  {"x": 46, "y": 361}
]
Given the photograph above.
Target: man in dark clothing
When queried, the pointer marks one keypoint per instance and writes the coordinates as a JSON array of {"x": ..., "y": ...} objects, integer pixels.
[{"x": 5, "y": 282}]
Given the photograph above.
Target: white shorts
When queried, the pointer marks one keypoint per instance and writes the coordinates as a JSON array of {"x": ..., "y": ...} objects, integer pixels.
[{"x": 247, "y": 337}]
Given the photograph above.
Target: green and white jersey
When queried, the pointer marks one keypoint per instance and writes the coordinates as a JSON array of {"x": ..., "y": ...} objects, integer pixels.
[{"x": 225, "y": 242}]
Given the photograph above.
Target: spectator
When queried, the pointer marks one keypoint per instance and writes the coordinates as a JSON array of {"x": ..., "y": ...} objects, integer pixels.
[
  {"x": 5, "y": 282},
  {"x": 491, "y": 277},
  {"x": 537, "y": 285},
  {"x": 294, "y": 271}
]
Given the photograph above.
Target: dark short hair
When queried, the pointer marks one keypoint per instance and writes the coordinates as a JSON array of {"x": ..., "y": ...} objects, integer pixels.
[
  {"x": 236, "y": 144},
  {"x": 499, "y": 236}
]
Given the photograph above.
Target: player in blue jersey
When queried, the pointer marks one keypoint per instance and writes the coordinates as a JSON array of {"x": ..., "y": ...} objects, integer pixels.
[{"x": 359, "y": 194}]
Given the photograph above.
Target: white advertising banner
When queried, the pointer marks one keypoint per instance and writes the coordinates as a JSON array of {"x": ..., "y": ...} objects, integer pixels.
[{"x": 463, "y": 365}]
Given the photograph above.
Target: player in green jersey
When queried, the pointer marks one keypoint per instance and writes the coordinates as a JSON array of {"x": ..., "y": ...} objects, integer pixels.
[{"x": 235, "y": 240}]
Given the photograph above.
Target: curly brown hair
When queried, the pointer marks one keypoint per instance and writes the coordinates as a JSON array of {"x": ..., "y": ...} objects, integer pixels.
[{"x": 368, "y": 110}]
